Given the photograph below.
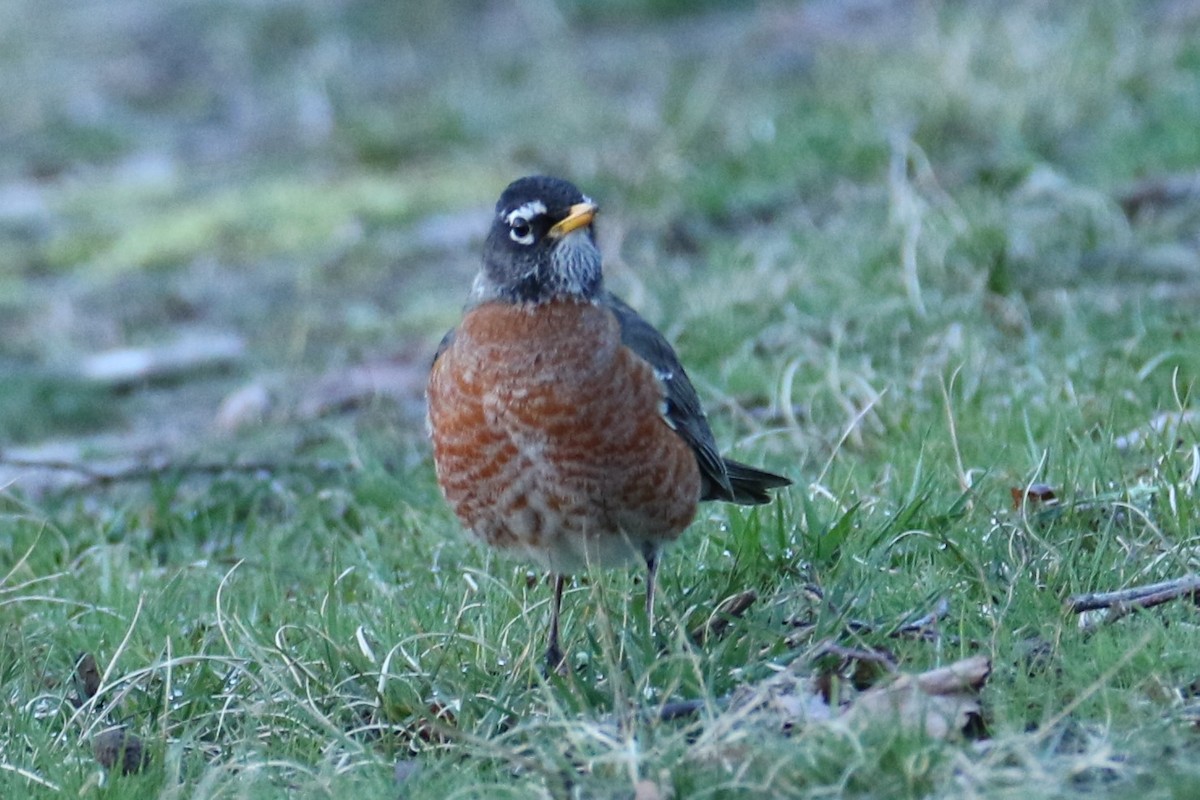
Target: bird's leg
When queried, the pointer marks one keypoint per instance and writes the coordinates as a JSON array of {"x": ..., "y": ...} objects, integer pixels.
[
  {"x": 651, "y": 555},
  {"x": 554, "y": 654}
]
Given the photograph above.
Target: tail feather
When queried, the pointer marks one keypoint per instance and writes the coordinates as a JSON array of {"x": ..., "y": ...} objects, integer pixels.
[{"x": 748, "y": 485}]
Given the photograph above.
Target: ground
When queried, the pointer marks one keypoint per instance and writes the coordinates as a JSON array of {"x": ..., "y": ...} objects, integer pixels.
[{"x": 938, "y": 263}]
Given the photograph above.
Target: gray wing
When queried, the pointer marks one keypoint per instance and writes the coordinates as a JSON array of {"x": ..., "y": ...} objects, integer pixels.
[{"x": 721, "y": 478}]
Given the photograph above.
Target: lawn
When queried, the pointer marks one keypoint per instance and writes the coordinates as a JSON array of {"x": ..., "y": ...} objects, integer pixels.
[{"x": 938, "y": 263}]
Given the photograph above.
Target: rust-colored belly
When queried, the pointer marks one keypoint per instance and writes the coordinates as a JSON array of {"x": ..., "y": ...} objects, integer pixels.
[{"x": 548, "y": 437}]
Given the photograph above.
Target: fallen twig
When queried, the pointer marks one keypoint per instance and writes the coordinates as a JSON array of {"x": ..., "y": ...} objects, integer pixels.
[
  {"x": 1148, "y": 596},
  {"x": 193, "y": 352},
  {"x": 144, "y": 471}
]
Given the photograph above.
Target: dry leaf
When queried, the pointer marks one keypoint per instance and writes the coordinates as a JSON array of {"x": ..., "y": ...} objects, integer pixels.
[
  {"x": 87, "y": 677},
  {"x": 940, "y": 702},
  {"x": 793, "y": 699},
  {"x": 1033, "y": 494},
  {"x": 117, "y": 748}
]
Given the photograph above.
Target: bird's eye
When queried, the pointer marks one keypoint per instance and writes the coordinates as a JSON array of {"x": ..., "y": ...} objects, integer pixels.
[{"x": 519, "y": 230}]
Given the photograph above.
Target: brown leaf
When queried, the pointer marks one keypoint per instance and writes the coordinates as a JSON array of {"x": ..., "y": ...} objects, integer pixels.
[
  {"x": 87, "y": 677},
  {"x": 940, "y": 703},
  {"x": 1032, "y": 494},
  {"x": 117, "y": 747}
]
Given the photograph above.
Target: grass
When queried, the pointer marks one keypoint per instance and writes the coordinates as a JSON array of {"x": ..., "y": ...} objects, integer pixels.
[{"x": 896, "y": 264}]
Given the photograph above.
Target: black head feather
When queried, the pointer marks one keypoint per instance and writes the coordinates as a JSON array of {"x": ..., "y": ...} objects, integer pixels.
[{"x": 524, "y": 261}]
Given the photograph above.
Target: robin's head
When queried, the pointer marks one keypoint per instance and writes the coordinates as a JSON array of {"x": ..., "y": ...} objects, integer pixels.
[{"x": 541, "y": 245}]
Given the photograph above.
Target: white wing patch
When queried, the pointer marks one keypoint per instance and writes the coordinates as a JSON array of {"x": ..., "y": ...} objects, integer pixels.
[{"x": 663, "y": 376}]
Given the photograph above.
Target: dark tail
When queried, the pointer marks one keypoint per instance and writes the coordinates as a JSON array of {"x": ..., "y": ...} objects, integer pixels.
[{"x": 749, "y": 484}]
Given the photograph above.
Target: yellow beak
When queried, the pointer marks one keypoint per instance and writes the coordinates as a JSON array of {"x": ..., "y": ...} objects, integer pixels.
[{"x": 581, "y": 214}]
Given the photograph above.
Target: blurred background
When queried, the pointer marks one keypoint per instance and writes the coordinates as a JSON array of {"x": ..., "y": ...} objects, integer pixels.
[{"x": 224, "y": 219}]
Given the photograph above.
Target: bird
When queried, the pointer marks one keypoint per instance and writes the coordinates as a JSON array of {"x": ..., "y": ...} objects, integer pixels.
[{"x": 564, "y": 427}]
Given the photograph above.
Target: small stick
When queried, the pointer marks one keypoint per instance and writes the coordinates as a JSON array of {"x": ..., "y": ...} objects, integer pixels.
[
  {"x": 148, "y": 470},
  {"x": 1148, "y": 596}
]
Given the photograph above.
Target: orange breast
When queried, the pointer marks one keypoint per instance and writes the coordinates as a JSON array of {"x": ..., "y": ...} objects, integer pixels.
[{"x": 548, "y": 437}]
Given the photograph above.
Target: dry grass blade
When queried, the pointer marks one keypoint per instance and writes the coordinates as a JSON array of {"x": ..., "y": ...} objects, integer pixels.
[{"x": 32, "y": 777}]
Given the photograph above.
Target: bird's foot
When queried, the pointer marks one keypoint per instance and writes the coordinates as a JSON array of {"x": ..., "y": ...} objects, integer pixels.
[{"x": 556, "y": 662}]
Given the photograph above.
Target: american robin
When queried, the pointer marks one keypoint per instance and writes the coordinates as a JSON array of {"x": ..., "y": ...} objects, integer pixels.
[{"x": 564, "y": 427}]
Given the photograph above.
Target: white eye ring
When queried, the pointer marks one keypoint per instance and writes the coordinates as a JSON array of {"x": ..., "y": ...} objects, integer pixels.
[{"x": 520, "y": 232}]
